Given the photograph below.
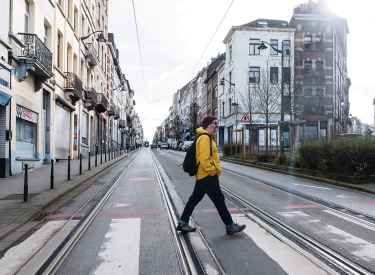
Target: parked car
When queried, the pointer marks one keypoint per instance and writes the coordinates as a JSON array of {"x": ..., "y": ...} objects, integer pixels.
[
  {"x": 153, "y": 146},
  {"x": 174, "y": 145},
  {"x": 179, "y": 147},
  {"x": 164, "y": 146},
  {"x": 350, "y": 136},
  {"x": 186, "y": 145}
]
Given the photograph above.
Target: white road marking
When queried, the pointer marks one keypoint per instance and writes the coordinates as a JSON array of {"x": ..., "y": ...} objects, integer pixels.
[
  {"x": 297, "y": 184},
  {"x": 360, "y": 222},
  {"x": 357, "y": 246},
  {"x": 17, "y": 255},
  {"x": 292, "y": 214},
  {"x": 120, "y": 253},
  {"x": 288, "y": 259},
  {"x": 38, "y": 260}
]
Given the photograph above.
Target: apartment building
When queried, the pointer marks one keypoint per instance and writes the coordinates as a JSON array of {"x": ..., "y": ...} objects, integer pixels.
[
  {"x": 62, "y": 82},
  {"x": 252, "y": 78},
  {"x": 321, "y": 73}
]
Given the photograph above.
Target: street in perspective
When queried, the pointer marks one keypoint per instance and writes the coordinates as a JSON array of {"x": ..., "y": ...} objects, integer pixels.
[{"x": 197, "y": 138}]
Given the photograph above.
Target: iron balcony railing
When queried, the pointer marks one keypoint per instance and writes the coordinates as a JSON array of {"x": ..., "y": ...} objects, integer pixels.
[
  {"x": 35, "y": 48},
  {"x": 90, "y": 94},
  {"x": 73, "y": 83},
  {"x": 102, "y": 103},
  {"x": 91, "y": 54},
  {"x": 121, "y": 123}
]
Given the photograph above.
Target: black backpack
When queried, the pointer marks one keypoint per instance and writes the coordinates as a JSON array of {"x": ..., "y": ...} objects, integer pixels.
[{"x": 189, "y": 165}]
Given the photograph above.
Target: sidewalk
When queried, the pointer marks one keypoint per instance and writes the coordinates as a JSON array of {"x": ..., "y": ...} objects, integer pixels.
[{"x": 14, "y": 212}]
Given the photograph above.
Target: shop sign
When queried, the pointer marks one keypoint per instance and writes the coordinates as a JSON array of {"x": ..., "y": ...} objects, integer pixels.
[{"x": 26, "y": 114}]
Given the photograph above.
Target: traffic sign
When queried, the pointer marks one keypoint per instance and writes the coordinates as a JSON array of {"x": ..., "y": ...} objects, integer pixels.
[{"x": 245, "y": 118}]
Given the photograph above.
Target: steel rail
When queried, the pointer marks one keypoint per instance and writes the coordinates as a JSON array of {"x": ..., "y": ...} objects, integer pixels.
[
  {"x": 71, "y": 241},
  {"x": 338, "y": 260},
  {"x": 185, "y": 261}
]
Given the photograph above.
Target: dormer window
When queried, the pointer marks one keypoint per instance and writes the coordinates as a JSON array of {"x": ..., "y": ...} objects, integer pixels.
[{"x": 307, "y": 43}]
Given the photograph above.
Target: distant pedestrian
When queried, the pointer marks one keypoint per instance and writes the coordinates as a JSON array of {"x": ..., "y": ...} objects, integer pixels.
[{"x": 207, "y": 179}]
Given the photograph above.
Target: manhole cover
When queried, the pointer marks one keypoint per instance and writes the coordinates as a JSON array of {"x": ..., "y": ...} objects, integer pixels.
[{"x": 19, "y": 196}]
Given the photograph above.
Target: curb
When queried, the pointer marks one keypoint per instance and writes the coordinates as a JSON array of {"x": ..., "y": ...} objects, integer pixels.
[
  {"x": 328, "y": 181},
  {"x": 42, "y": 201}
]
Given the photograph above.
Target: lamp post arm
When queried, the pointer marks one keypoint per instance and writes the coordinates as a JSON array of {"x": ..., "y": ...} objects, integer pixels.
[
  {"x": 85, "y": 37},
  {"x": 276, "y": 50}
]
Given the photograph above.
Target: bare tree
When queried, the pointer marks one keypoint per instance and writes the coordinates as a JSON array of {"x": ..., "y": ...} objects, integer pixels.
[
  {"x": 193, "y": 116},
  {"x": 177, "y": 127}
]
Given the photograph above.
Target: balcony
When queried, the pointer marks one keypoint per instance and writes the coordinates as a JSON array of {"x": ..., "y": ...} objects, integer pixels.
[
  {"x": 90, "y": 55},
  {"x": 73, "y": 87},
  {"x": 91, "y": 99},
  {"x": 34, "y": 58},
  {"x": 121, "y": 123},
  {"x": 314, "y": 79},
  {"x": 102, "y": 103},
  {"x": 113, "y": 111}
]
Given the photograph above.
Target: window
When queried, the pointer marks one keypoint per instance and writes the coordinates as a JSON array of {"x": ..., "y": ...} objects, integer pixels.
[
  {"x": 286, "y": 79},
  {"x": 319, "y": 96},
  {"x": 274, "y": 44},
  {"x": 230, "y": 52},
  {"x": 319, "y": 67},
  {"x": 214, "y": 112},
  {"x": 286, "y": 47},
  {"x": 254, "y": 74},
  {"x": 58, "y": 51},
  {"x": 45, "y": 35},
  {"x": 214, "y": 95},
  {"x": 307, "y": 93},
  {"x": 223, "y": 108},
  {"x": 99, "y": 13},
  {"x": 254, "y": 44},
  {"x": 274, "y": 75},
  {"x": 230, "y": 106},
  {"x": 319, "y": 42},
  {"x": 307, "y": 43},
  {"x": 27, "y": 17},
  {"x": 307, "y": 67},
  {"x": 26, "y": 138},
  {"x": 230, "y": 77}
]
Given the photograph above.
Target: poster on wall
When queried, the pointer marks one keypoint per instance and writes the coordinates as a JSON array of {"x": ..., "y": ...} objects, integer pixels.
[{"x": 261, "y": 137}]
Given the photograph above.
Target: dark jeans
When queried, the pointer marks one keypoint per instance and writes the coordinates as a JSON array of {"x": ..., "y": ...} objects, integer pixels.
[{"x": 210, "y": 186}]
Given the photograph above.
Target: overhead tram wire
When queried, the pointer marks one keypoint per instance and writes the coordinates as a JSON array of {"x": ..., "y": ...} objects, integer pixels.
[
  {"x": 140, "y": 53},
  {"x": 210, "y": 40}
]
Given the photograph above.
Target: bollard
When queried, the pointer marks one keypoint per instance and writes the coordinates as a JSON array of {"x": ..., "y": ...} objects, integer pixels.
[
  {"x": 25, "y": 185},
  {"x": 80, "y": 164},
  {"x": 89, "y": 160},
  {"x": 68, "y": 167},
  {"x": 52, "y": 174},
  {"x": 96, "y": 158}
]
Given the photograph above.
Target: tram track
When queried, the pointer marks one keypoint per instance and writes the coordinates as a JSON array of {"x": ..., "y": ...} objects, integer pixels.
[
  {"x": 57, "y": 259},
  {"x": 329, "y": 255},
  {"x": 336, "y": 259},
  {"x": 61, "y": 254}
]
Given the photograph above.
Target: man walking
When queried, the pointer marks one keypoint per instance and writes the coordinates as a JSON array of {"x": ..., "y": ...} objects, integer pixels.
[{"x": 207, "y": 179}]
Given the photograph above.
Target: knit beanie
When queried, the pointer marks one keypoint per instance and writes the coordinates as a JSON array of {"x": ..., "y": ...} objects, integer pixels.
[{"x": 207, "y": 120}]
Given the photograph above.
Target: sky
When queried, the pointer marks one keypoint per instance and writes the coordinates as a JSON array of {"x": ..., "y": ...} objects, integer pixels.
[{"x": 177, "y": 38}]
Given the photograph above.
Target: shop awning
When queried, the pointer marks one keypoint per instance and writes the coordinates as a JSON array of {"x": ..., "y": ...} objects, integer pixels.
[{"x": 4, "y": 98}]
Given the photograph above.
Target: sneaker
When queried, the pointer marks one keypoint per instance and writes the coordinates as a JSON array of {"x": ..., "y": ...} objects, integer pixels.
[
  {"x": 235, "y": 228},
  {"x": 185, "y": 228}
]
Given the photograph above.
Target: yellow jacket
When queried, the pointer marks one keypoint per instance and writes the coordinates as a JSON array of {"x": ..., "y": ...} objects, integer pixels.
[{"x": 208, "y": 165}]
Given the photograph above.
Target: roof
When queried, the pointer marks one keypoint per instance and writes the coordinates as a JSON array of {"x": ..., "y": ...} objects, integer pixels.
[{"x": 271, "y": 23}]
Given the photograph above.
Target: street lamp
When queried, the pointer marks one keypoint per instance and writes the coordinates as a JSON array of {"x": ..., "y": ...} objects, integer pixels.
[
  {"x": 263, "y": 47},
  {"x": 120, "y": 86},
  {"x": 100, "y": 38},
  {"x": 234, "y": 104}
]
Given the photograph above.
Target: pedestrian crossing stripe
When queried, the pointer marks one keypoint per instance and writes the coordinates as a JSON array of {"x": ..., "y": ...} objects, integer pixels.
[{"x": 245, "y": 118}]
